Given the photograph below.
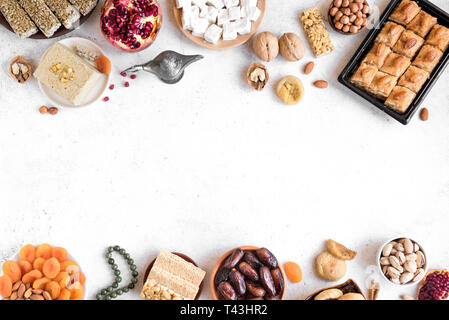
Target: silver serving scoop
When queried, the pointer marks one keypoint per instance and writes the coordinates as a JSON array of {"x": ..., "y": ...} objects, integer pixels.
[{"x": 168, "y": 66}]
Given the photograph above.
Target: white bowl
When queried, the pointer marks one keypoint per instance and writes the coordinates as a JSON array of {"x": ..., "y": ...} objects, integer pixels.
[
  {"x": 70, "y": 257},
  {"x": 97, "y": 91},
  {"x": 425, "y": 267}
]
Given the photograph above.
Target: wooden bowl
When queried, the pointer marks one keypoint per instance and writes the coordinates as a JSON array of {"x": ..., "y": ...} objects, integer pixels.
[
  {"x": 346, "y": 287},
  {"x": 213, "y": 290},
  {"x": 186, "y": 258},
  {"x": 39, "y": 35},
  {"x": 221, "y": 44}
]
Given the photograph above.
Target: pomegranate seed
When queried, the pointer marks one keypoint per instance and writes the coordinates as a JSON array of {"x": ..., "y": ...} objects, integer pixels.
[
  {"x": 133, "y": 76},
  {"x": 127, "y": 84},
  {"x": 105, "y": 99},
  {"x": 123, "y": 74},
  {"x": 111, "y": 87}
]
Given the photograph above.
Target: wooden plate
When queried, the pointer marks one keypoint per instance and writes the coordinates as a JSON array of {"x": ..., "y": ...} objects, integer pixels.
[
  {"x": 60, "y": 32},
  {"x": 186, "y": 258},
  {"x": 221, "y": 44}
]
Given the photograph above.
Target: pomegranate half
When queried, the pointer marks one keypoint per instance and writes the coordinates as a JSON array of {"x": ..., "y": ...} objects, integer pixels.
[
  {"x": 131, "y": 25},
  {"x": 434, "y": 286}
]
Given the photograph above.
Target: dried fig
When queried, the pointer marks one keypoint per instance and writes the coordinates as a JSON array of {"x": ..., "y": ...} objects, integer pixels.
[
  {"x": 329, "y": 267},
  {"x": 290, "y": 90},
  {"x": 266, "y": 46},
  {"x": 257, "y": 76},
  {"x": 329, "y": 294},
  {"x": 340, "y": 251},
  {"x": 291, "y": 47},
  {"x": 352, "y": 296}
]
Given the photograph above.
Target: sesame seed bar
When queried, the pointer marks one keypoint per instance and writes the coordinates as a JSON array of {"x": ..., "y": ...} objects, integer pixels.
[
  {"x": 42, "y": 16},
  {"x": 84, "y": 6},
  {"x": 65, "y": 12},
  {"x": 316, "y": 32},
  {"x": 17, "y": 18}
]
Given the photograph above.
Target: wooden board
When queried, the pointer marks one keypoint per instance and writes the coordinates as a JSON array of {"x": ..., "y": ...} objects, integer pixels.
[{"x": 221, "y": 44}]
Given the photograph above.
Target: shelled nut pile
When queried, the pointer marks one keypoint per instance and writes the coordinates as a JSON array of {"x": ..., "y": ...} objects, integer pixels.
[{"x": 403, "y": 261}]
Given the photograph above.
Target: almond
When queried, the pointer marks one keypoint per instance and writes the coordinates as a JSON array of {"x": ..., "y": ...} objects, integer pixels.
[
  {"x": 410, "y": 43},
  {"x": 309, "y": 67},
  {"x": 322, "y": 84},
  {"x": 424, "y": 115}
]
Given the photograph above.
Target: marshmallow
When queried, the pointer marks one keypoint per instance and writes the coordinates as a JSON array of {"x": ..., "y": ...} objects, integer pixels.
[
  {"x": 213, "y": 34},
  {"x": 223, "y": 17},
  {"x": 253, "y": 13},
  {"x": 234, "y": 13},
  {"x": 218, "y": 4},
  {"x": 229, "y": 32},
  {"x": 203, "y": 11},
  {"x": 249, "y": 3},
  {"x": 200, "y": 27},
  {"x": 198, "y": 3},
  {"x": 231, "y": 3},
  {"x": 243, "y": 26},
  {"x": 182, "y": 3},
  {"x": 212, "y": 14}
]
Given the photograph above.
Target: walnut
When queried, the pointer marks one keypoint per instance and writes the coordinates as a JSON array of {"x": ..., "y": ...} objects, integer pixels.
[
  {"x": 291, "y": 47},
  {"x": 257, "y": 76},
  {"x": 20, "y": 69},
  {"x": 266, "y": 46}
]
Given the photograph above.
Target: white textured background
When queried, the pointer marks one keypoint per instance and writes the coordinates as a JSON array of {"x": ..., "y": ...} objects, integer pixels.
[{"x": 209, "y": 164}]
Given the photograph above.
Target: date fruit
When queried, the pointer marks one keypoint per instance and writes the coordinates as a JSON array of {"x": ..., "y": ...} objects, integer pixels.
[
  {"x": 267, "y": 258},
  {"x": 267, "y": 281},
  {"x": 234, "y": 258},
  {"x": 222, "y": 275},
  {"x": 254, "y": 289},
  {"x": 227, "y": 291},
  {"x": 252, "y": 260},
  {"x": 278, "y": 279},
  {"x": 238, "y": 281},
  {"x": 248, "y": 271}
]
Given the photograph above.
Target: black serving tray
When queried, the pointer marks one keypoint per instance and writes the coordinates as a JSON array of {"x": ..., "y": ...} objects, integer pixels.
[{"x": 443, "y": 19}]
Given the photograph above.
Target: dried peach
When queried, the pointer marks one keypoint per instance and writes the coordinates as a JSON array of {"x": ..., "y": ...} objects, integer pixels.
[
  {"x": 51, "y": 268},
  {"x": 76, "y": 294},
  {"x": 67, "y": 263},
  {"x": 12, "y": 270},
  {"x": 53, "y": 288},
  {"x": 293, "y": 272},
  {"x": 64, "y": 295},
  {"x": 60, "y": 253},
  {"x": 28, "y": 253},
  {"x": 39, "y": 263},
  {"x": 40, "y": 283},
  {"x": 31, "y": 276},
  {"x": 43, "y": 251},
  {"x": 5, "y": 286},
  {"x": 103, "y": 64},
  {"x": 25, "y": 266}
]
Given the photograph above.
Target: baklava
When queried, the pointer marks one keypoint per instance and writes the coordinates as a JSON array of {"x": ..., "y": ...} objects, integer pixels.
[
  {"x": 400, "y": 99},
  {"x": 439, "y": 37},
  {"x": 428, "y": 58},
  {"x": 382, "y": 85},
  {"x": 405, "y": 12},
  {"x": 422, "y": 24},
  {"x": 364, "y": 75},
  {"x": 408, "y": 44},
  {"x": 395, "y": 64},
  {"x": 414, "y": 78},
  {"x": 390, "y": 34},
  {"x": 377, "y": 55}
]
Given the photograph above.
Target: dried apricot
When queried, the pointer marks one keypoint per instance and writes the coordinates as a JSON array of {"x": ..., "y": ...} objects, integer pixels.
[
  {"x": 51, "y": 268},
  {"x": 60, "y": 253},
  {"x": 40, "y": 283},
  {"x": 103, "y": 64},
  {"x": 76, "y": 294},
  {"x": 31, "y": 276},
  {"x": 28, "y": 253},
  {"x": 25, "y": 266},
  {"x": 43, "y": 251},
  {"x": 82, "y": 278},
  {"x": 53, "y": 288},
  {"x": 64, "y": 295},
  {"x": 67, "y": 263},
  {"x": 293, "y": 272},
  {"x": 5, "y": 286},
  {"x": 12, "y": 270},
  {"x": 39, "y": 263},
  {"x": 63, "y": 279}
]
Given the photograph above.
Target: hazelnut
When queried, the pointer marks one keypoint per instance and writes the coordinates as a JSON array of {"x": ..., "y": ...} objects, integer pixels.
[
  {"x": 266, "y": 46},
  {"x": 257, "y": 76},
  {"x": 291, "y": 47}
]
